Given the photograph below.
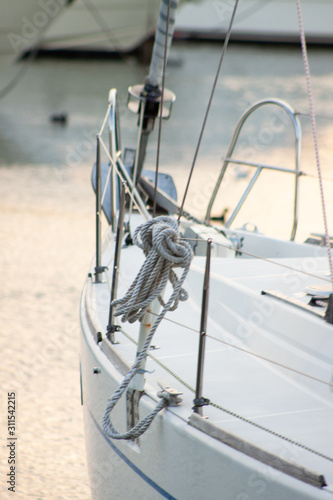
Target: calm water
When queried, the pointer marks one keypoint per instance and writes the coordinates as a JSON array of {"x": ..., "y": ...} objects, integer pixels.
[{"x": 47, "y": 219}]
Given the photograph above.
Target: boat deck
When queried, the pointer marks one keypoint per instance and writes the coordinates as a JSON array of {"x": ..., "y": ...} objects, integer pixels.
[{"x": 269, "y": 385}]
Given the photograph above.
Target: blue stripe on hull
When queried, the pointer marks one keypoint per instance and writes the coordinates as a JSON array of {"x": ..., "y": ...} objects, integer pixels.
[{"x": 139, "y": 472}]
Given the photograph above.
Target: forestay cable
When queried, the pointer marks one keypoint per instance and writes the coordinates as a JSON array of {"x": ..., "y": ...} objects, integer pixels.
[
  {"x": 226, "y": 41},
  {"x": 314, "y": 132},
  {"x": 165, "y": 55}
]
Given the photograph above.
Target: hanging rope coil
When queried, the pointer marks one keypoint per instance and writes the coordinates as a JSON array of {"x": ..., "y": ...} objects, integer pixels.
[{"x": 160, "y": 241}]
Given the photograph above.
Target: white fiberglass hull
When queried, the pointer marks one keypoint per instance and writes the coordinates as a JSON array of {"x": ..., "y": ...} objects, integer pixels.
[
  {"x": 101, "y": 25},
  {"x": 257, "y": 20},
  {"x": 175, "y": 460},
  {"x": 22, "y": 22}
]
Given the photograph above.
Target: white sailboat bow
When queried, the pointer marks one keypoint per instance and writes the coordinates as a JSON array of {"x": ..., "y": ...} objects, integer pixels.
[{"x": 206, "y": 351}]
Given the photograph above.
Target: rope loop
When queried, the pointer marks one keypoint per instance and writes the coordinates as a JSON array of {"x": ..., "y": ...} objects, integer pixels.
[{"x": 160, "y": 241}]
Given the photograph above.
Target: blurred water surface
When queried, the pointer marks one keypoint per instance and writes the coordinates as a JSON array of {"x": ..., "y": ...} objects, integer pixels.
[{"x": 47, "y": 212}]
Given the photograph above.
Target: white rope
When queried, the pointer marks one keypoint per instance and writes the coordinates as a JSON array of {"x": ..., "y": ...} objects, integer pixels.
[
  {"x": 314, "y": 132},
  {"x": 159, "y": 239}
]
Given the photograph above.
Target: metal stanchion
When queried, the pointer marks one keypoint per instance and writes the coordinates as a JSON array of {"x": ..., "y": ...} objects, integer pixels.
[
  {"x": 199, "y": 400},
  {"x": 98, "y": 269},
  {"x": 112, "y": 328}
]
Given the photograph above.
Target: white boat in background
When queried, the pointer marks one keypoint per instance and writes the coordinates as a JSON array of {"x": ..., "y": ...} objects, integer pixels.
[
  {"x": 103, "y": 25},
  {"x": 22, "y": 23},
  {"x": 222, "y": 391},
  {"x": 256, "y": 20}
]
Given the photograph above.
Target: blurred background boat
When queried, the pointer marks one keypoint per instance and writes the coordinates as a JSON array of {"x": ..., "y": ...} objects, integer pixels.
[
  {"x": 103, "y": 26},
  {"x": 119, "y": 26},
  {"x": 257, "y": 20},
  {"x": 22, "y": 23}
]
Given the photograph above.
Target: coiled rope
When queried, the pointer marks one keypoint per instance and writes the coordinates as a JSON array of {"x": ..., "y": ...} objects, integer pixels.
[{"x": 160, "y": 241}]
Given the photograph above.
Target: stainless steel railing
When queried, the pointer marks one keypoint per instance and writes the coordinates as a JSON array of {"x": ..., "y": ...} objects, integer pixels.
[{"x": 261, "y": 166}]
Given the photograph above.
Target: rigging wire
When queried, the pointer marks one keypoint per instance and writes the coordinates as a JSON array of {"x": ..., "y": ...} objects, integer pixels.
[
  {"x": 114, "y": 36},
  {"x": 247, "y": 351},
  {"x": 300, "y": 271},
  {"x": 281, "y": 365},
  {"x": 265, "y": 259},
  {"x": 30, "y": 54},
  {"x": 243, "y": 15},
  {"x": 95, "y": 13},
  {"x": 159, "y": 239},
  {"x": 140, "y": 208},
  {"x": 20, "y": 73},
  {"x": 224, "y": 48},
  {"x": 161, "y": 107},
  {"x": 230, "y": 412},
  {"x": 269, "y": 431},
  {"x": 314, "y": 132},
  {"x": 105, "y": 118}
]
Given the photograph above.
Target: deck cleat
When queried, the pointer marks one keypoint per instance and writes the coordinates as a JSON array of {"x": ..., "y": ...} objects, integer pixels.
[{"x": 170, "y": 394}]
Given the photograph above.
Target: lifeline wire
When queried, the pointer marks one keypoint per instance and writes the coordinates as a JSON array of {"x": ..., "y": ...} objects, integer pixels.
[
  {"x": 160, "y": 239},
  {"x": 232, "y": 413},
  {"x": 269, "y": 431},
  {"x": 226, "y": 41},
  {"x": 314, "y": 132},
  {"x": 106, "y": 31}
]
